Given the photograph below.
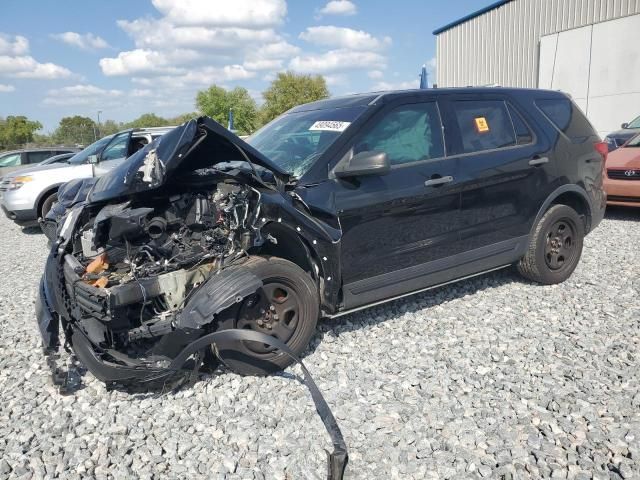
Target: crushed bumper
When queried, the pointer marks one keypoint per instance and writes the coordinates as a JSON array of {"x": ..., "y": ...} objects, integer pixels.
[{"x": 49, "y": 325}]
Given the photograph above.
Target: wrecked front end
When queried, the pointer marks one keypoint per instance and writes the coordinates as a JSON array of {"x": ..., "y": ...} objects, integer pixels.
[
  {"x": 121, "y": 274},
  {"x": 149, "y": 262}
]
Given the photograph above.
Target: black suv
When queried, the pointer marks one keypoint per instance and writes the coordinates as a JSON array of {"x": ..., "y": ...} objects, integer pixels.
[{"x": 334, "y": 206}]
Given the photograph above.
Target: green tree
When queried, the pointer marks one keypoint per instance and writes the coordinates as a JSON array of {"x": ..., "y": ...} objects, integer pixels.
[
  {"x": 109, "y": 127},
  {"x": 17, "y": 130},
  {"x": 147, "y": 120},
  {"x": 180, "y": 119},
  {"x": 289, "y": 90},
  {"x": 217, "y": 102},
  {"x": 75, "y": 130}
]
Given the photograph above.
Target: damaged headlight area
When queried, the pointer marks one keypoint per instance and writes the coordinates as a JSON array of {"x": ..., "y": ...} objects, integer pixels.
[{"x": 133, "y": 266}]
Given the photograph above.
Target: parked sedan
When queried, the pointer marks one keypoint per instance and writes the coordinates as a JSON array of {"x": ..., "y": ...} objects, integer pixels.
[
  {"x": 622, "y": 182},
  {"x": 619, "y": 137}
]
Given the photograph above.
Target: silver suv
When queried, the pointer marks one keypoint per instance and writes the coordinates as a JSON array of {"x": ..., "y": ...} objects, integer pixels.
[{"x": 29, "y": 194}]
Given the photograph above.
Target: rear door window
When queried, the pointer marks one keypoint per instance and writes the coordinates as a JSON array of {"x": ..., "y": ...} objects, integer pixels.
[
  {"x": 37, "y": 157},
  {"x": 483, "y": 125},
  {"x": 408, "y": 133}
]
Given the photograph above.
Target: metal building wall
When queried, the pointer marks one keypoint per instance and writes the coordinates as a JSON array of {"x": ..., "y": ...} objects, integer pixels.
[{"x": 501, "y": 46}]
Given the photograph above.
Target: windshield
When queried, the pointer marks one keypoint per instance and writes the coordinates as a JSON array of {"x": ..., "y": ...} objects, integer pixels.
[
  {"x": 294, "y": 141},
  {"x": 635, "y": 123},
  {"x": 93, "y": 149},
  {"x": 10, "y": 160}
]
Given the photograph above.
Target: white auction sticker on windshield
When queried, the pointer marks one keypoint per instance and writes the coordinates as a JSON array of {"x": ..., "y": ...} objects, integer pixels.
[{"x": 330, "y": 126}]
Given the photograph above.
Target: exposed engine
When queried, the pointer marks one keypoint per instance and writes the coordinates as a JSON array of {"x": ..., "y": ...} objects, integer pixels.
[{"x": 135, "y": 265}]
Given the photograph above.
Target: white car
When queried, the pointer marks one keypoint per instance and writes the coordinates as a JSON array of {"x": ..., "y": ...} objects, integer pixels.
[{"x": 28, "y": 195}]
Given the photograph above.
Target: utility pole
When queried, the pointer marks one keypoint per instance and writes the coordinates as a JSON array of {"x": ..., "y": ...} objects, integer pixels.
[{"x": 99, "y": 112}]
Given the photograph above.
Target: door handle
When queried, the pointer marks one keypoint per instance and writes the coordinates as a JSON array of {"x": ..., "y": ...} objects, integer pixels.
[
  {"x": 534, "y": 162},
  {"x": 434, "y": 182}
]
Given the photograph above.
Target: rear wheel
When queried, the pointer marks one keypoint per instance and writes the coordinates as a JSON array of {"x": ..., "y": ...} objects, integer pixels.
[
  {"x": 555, "y": 246},
  {"x": 286, "y": 307}
]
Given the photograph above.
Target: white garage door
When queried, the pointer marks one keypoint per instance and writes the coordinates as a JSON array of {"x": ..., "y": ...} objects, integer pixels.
[{"x": 599, "y": 65}]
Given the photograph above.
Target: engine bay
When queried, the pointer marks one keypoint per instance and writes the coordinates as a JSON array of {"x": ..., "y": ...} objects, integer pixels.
[{"x": 134, "y": 264}]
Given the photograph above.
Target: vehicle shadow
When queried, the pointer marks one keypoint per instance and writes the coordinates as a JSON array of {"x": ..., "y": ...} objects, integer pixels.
[
  {"x": 615, "y": 212},
  {"x": 32, "y": 230},
  {"x": 372, "y": 316}
]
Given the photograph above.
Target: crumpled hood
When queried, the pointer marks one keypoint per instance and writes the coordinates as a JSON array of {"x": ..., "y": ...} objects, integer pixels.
[{"x": 196, "y": 144}]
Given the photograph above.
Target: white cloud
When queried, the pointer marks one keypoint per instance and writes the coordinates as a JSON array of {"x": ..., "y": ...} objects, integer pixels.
[
  {"x": 223, "y": 13},
  {"x": 6, "y": 88},
  {"x": 19, "y": 45},
  {"x": 375, "y": 74},
  {"x": 336, "y": 79},
  {"x": 337, "y": 61},
  {"x": 162, "y": 34},
  {"x": 87, "y": 41},
  {"x": 339, "y": 7},
  {"x": 342, "y": 37},
  {"x": 139, "y": 61},
  {"x": 270, "y": 56},
  {"x": 215, "y": 39},
  {"x": 14, "y": 61},
  {"x": 28, "y": 67},
  {"x": 141, "y": 93},
  {"x": 406, "y": 85},
  {"x": 82, "y": 94}
]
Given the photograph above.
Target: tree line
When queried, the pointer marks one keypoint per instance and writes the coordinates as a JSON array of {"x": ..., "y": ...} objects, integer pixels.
[{"x": 286, "y": 91}]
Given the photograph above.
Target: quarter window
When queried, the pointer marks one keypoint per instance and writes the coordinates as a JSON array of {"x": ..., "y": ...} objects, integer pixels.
[
  {"x": 484, "y": 125},
  {"x": 408, "y": 133}
]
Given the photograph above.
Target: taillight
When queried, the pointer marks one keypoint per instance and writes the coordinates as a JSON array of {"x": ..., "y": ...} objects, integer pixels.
[{"x": 603, "y": 149}]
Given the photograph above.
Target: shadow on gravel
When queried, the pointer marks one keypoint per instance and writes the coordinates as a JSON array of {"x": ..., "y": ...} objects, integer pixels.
[
  {"x": 630, "y": 214},
  {"x": 33, "y": 230},
  {"x": 414, "y": 303}
]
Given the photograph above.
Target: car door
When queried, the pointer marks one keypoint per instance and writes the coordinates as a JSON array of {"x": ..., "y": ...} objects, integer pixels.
[
  {"x": 397, "y": 227},
  {"x": 504, "y": 174},
  {"x": 113, "y": 154}
]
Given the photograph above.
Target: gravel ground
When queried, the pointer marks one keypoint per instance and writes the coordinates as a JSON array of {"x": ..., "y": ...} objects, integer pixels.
[{"x": 490, "y": 378}]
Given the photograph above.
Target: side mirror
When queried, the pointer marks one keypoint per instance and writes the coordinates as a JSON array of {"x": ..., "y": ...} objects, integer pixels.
[
  {"x": 364, "y": 163},
  {"x": 624, "y": 125},
  {"x": 93, "y": 159}
]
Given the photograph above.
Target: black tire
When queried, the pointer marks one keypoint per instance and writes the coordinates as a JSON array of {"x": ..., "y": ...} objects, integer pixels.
[
  {"x": 555, "y": 246},
  {"x": 47, "y": 204},
  {"x": 286, "y": 307}
]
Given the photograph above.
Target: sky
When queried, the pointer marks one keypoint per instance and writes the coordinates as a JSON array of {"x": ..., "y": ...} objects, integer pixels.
[{"x": 126, "y": 58}]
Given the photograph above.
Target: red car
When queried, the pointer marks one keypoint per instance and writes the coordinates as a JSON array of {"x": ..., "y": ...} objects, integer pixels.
[{"x": 622, "y": 181}]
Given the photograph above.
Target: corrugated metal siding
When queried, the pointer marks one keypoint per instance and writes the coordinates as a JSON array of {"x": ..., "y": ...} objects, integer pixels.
[{"x": 501, "y": 46}]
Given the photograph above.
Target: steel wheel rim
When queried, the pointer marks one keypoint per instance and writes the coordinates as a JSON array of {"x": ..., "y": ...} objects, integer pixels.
[
  {"x": 273, "y": 310},
  {"x": 560, "y": 244}
]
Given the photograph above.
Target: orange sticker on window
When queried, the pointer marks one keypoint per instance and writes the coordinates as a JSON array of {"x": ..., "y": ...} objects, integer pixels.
[{"x": 481, "y": 124}]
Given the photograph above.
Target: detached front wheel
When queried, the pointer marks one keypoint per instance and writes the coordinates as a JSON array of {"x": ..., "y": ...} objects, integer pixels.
[
  {"x": 555, "y": 246},
  {"x": 286, "y": 307}
]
